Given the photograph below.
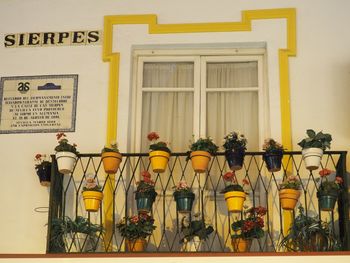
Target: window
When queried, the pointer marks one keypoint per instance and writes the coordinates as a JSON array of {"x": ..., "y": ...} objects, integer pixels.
[{"x": 206, "y": 94}]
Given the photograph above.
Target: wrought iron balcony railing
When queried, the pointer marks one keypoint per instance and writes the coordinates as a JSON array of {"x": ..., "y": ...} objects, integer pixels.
[{"x": 66, "y": 202}]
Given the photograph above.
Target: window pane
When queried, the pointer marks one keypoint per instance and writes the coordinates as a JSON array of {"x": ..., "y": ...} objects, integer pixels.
[
  {"x": 232, "y": 74},
  {"x": 168, "y": 74}
]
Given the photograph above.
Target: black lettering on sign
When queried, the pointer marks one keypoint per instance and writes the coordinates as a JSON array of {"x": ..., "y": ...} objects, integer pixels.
[
  {"x": 23, "y": 87},
  {"x": 10, "y": 40},
  {"x": 93, "y": 37}
]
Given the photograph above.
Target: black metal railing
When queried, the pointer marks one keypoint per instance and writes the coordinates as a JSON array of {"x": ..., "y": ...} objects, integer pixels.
[{"x": 66, "y": 202}]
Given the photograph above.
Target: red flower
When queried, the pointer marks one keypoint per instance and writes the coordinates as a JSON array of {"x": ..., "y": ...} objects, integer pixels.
[
  {"x": 338, "y": 180},
  {"x": 145, "y": 174},
  {"x": 245, "y": 181},
  {"x": 38, "y": 156},
  {"x": 60, "y": 135},
  {"x": 325, "y": 172},
  {"x": 230, "y": 176},
  {"x": 134, "y": 219},
  {"x": 261, "y": 211},
  {"x": 260, "y": 222},
  {"x": 152, "y": 136}
]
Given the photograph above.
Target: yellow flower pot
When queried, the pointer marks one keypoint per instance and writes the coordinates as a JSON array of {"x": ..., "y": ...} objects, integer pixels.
[
  {"x": 159, "y": 160},
  {"x": 241, "y": 244},
  {"x": 111, "y": 161},
  {"x": 289, "y": 198},
  {"x": 200, "y": 161},
  {"x": 234, "y": 200},
  {"x": 92, "y": 200},
  {"x": 137, "y": 245}
]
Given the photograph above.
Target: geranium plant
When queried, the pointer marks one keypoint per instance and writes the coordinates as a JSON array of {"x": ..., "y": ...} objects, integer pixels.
[
  {"x": 113, "y": 147},
  {"x": 231, "y": 183},
  {"x": 252, "y": 225},
  {"x": 41, "y": 160},
  {"x": 157, "y": 145},
  {"x": 204, "y": 144},
  {"x": 271, "y": 146},
  {"x": 43, "y": 169},
  {"x": 327, "y": 186},
  {"x": 146, "y": 184},
  {"x": 63, "y": 145},
  {"x": 234, "y": 141},
  {"x": 291, "y": 182},
  {"x": 137, "y": 226},
  {"x": 182, "y": 187},
  {"x": 195, "y": 228},
  {"x": 91, "y": 184}
]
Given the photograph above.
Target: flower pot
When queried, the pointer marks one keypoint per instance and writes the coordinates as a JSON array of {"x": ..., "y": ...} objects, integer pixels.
[
  {"x": 184, "y": 201},
  {"x": 234, "y": 200},
  {"x": 273, "y": 161},
  {"x": 235, "y": 159},
  {"x": 289, "y": 198},
  {"x": 92, "y": 200},
  {"x": 241, "y": 245},
  {"x": 159, "y": 160},
  {"x": 65, "y": 162},
  {"x": 111, "y": 161},
  {"x": 326, "y": 202},
  {"x": 137, "y": 245},
  {"x": 80, "y": 242},
  {"x": 193, "y": 245},
  {"x": 200, "y": 161},
  {"x": 44, "y": 173},
  {"x": 144, "y": 202},
  {"x": 312, "y": 157}
]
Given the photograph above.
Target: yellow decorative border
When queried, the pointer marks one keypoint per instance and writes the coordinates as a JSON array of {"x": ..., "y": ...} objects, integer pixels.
[{"x": 153, "y": 28}]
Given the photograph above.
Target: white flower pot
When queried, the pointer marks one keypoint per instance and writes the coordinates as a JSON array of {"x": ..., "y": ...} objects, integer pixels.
[
  {"x": 312, "y": 157},
  {"x": 65, "y": 162},
  {"x": 80, "y": 243}
]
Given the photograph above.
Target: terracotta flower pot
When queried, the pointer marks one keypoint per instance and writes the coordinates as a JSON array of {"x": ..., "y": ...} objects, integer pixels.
[
  {"x": 137, "y": 245},
  {"x": 312, "y": 157},
  {"x": 200, "y": 161},
  {"x": 289, "y": 198},
  {"x": 241, "y": 244},
  {"x": 111, "y": 161},
  {"x": 234, "y": 200},
  {"x": 65, "y": 162},
  {"x": 92, "y": 200},
  {"x": 159, "y": 160}
]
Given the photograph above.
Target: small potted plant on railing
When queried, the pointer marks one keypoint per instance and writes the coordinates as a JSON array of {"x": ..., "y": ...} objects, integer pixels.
[
  {"x": 194, "y": 232},
  {"x": 66, "y": 154},
  {"x": 289, "y": 192},
  {"x": 245, "y": 230},
  {"x": 233, "y": 192},
  {"x": 201, "y": 152},
  {"x": 328, "y": 190},
  {"x": 273, "y": 155},
  {"x": 313, "y": 148},
  {"x": 111, "y": 158},
  {"x": 184, "y": 197},
  {"x": 159, "y": 153},
  {"x": 145, "y": 193},
  {"x": 43, "y": 169},
  {"x": 235, "y": 146},
  {"x": 308, "y": 233},
  {"x": 92, "y": 194},
  {"x": 135, "y": 230}
]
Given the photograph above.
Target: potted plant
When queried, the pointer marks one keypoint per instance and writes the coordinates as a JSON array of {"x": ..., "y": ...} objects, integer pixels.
[
  {"x": 79, "y": 235},
  {"x": 308, "y": 233},
  {"x": 145, "y": 193},
  {"x": 184, "y": 197},
  {"x": 245, "y": 230},
  {"x": 233, "y": 192},
  {"x": 194, "y": 232},
  {"x": 111, "y": 158},
  {"x": 235, "y": 146},
  {"x": 135, "y": 230},
  {"x": 66, "y": 154},
  {"x": 273, "y": 155},
  {"x": 201, "y": 152},
  {"x": 328, "y": 190},
  {"x": 313, "y": 147},
  {"x": 43, "y": 169},
  {"x": 159, "y": 153},
  {"x": 289, "y": 192},
  {"x": 92, "y": 194}
]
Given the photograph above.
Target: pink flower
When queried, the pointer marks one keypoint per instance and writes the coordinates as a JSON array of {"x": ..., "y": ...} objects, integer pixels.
[
  {"x": 134, "y": 219},
  {"x": 325, "y": 172},
  {"x": 152, "y": 136},
  {"x": 338, "y": 180},
  {"x": 145, "y": 174}
]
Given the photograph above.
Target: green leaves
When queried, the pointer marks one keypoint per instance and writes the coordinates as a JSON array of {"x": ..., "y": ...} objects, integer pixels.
[{"x": 316, "y": 140}]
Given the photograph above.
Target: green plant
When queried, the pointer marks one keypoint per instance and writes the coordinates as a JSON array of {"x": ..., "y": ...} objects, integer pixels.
[
  {"x": 63, "y": 145},
  {"x": 320, "y": 140},
  {"x": 195, "y": 228},
  {"x": 271, "y": 146},
  {"x": 182, "y": 187},
  {"x": 91, "y": 184},
  {"x": 251, "y": 226},
  {"x": 61, "y": 228},
  {"x": 146, "y": 185},
  {"x": 309, "y": 234},
  {"x": 113, "y": 147},
  {"x": 231, "y": 183},
  {"x": 157, "y": 146},
  {"x": 137, "y": 226},
  {"x": 204, "y": 144},
  {"x": 328, "y": 187},
  {"x": 290, "y": 182},
  {"x": 234, "y": 141},
  {"x": 40, "y": 161}
]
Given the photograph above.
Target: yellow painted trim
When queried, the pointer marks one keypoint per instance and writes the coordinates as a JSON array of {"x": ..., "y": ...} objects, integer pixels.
[{"x": 154, "y": 28}]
